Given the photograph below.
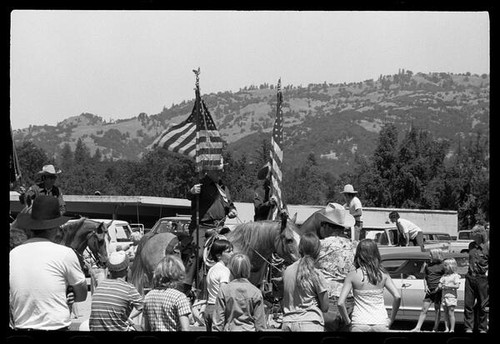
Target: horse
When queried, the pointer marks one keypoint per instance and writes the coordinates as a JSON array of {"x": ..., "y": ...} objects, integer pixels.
[
  {"x": 78, "y": 235},
  {"x": 256, "y": 239}
]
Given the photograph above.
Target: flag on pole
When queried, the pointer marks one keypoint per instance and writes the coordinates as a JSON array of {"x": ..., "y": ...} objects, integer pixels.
[
  {"x": 277, "y": 153},
  {"x": 196, "y": 137}
]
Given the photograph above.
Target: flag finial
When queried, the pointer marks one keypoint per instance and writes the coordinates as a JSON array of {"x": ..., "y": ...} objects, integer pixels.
[{"x": 197, "y": 74}]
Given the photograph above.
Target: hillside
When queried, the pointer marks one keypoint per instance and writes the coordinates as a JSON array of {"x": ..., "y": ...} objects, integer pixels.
[{"x": 335, "y": 121}]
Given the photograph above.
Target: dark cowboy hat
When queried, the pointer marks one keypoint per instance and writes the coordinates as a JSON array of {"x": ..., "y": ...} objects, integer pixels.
[
  {"x": 263, "y": 172},
  {"x": 44, "y": 214}
]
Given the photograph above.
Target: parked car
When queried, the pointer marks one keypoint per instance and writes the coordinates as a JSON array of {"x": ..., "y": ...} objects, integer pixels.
[
  {"x": 389, "y": 236},
  {"x": 462, "y": 242},
  {"x": 406, "y": 268},
  {"x": 137, "y": 227},
  {"x": 177, "y": 225}
]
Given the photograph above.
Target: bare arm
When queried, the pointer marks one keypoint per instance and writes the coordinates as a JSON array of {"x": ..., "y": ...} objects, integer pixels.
[
  {"x": 389, "y": 284},
  {"x": 184, "y": 321},
  {"x": 80, "y": 291},
  {"x": 346, "y": 288}
]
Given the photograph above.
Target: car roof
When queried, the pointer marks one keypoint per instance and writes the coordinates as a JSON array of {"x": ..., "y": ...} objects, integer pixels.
[
  {"x": 175, "y": 218},
  {"x": 401, "y": 253},
  {"x": 440, "y": 233}
]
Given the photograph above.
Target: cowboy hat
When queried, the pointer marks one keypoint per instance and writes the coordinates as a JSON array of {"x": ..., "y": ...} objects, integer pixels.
[
  {"x": 349, "y": 189},
  {"x": 44, "y": 214},
  {"x": 263, "y": 172},
  {"x": 118, "y": 261},
  {"x": 336, "y": 214},
  {"x": 49, "y": 169}
]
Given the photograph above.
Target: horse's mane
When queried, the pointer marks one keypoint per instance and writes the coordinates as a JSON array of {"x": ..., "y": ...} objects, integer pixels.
[
  {"x": 250, "y": 235},
  {"x": 70, "y": 229}
]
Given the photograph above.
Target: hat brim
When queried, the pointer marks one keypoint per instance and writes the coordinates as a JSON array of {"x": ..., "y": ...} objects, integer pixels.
[
  {"x": 49, "y": 173},
  {"x": 349, "y": 192},
  {"x": 322, "y": 216},
  {"x": 25, "y": 221}
]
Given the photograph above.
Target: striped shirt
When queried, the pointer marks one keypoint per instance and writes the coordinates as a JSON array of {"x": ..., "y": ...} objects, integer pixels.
[
  {"x": 163, "y": 308},
  {"x": 112, "y": 303}
]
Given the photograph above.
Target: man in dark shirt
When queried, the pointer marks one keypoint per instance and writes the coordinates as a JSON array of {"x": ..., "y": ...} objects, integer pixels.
[
  {"x": 214, "y": 205},
  {"x": 263, "y": 204},
  {"x": 476, "y": 283},
  {"x": 48, "y": 176}
]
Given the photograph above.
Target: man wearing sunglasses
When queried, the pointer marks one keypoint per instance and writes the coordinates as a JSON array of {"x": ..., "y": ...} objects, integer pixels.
[{"x": 48, "y": 176}]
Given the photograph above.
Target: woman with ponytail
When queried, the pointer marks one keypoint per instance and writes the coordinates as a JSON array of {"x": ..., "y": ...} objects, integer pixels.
[
  {"x": 368, "y": 282},
  {"x": 305, "y": 291}
]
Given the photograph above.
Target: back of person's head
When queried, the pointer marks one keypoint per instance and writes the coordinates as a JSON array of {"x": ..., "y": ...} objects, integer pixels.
[
  {"x": 239, "y": 266},
  {"x": 450, "y": 265},
  {"x": 436, "y": 255},
  {"x": 169, "y": 271},
  {"x": 394, "y": 215},
  {"x": 367, "y": 257},
  {"x": 309, "y": 245},
  {"x": 219, "y": 246}
]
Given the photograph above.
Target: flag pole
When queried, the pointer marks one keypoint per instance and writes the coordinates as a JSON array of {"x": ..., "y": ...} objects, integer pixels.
[{"x": 197, "y": 199}]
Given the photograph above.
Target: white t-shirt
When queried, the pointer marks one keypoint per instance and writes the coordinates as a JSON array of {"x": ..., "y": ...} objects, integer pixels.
[
  {"x": 217, "y": 275},
  {"x": 40, "y": 271},
  {"x": 354, "y": 205},
  {"x": 409, "y": 228}
]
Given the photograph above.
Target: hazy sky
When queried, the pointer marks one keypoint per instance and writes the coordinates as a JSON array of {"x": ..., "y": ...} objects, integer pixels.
[{"x": 117, "y": 64}]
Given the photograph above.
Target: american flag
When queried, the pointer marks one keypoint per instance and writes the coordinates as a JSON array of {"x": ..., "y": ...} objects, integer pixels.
[
  {"x": 196, "y": 137},
  {"x": 277, "y": 153}
]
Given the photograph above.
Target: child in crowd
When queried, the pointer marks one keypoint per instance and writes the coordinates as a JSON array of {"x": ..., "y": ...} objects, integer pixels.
[
  {"x": 449, "y": 284},
  {"x": 368, "y": 283},
  {"x": 220, "y": 252},
  {"x": 433, "y": 271},
  {"x": 165, "y": 307},
  {"x": 305, "y": 296},
  {"x": 239, "y": 304}
]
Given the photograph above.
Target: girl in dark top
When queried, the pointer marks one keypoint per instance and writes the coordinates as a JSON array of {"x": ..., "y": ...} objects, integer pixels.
[{"x": 433, "y": 272}]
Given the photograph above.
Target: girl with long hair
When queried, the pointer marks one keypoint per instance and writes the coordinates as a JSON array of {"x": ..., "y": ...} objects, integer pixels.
[
  {"x": 368, "y": 281},
  {"x": 305, "y": 291}
]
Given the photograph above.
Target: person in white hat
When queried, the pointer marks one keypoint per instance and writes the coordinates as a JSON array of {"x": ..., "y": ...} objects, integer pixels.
[
  {"x": 353, "y": 204},
  {"x": 115, "y": 301},
  {"x": 41, "y": 272},
  {"x": 48, "y": 176}
]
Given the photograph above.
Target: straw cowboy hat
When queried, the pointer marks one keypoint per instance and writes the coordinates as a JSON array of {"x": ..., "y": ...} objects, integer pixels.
[
  {"x": 44, "y": 214},
  {"x": 336, "y": 214},
  {"x": 49, "y": 169},
  {"x": 263, "y": 172},
  {"x": 118, "y": 261},
  {"x": 349, "y": 189}
]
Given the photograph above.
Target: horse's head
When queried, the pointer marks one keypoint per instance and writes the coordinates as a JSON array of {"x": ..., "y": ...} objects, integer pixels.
[
  {"x": 97, "y": 243},
  {"x": 82, "y": 233},
  {"x": 287, "y": 242}
]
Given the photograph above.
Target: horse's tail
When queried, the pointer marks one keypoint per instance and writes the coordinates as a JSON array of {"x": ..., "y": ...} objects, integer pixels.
[{"x": 138, "y": 269}]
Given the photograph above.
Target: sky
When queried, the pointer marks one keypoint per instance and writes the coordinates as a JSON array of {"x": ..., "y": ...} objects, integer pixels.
[{"x": 118, "y": 64}]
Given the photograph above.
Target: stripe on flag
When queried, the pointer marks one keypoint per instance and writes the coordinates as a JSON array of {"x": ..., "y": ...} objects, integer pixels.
[
  {"x": 209, "y": 142},
  {"x": 179, "y": 138},
  {"x": 277, "y": 152}
]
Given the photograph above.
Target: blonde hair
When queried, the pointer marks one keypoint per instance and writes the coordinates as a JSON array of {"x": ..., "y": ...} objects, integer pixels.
[
  {"x": 169, "y": 271},
  {"x": 239, "y": 266},
  {"x": 450, "y": 265},
  {"x": 436, "y": 255}
]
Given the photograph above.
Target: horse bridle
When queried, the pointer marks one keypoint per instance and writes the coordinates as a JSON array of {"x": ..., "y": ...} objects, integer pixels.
[{"x": 86, "y": 241}]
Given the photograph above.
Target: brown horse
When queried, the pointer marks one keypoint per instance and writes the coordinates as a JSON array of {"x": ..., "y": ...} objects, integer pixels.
[
  {"x": 77, "y": 234},
  {"x": 256, "y": 239}
]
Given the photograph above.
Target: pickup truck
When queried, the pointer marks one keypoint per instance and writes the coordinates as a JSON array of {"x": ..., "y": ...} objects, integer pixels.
[{"x": 461, "y": 245}]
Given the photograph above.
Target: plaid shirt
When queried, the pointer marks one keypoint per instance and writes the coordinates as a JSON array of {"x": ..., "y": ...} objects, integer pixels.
[{"x": 163, "y": 308}]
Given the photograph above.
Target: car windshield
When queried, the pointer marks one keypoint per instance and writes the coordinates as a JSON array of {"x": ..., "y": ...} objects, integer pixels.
[
  {"x": 415, "y": 268},
  {"x": 122, "y": 233},
  {"x": 464, "y": 235}
]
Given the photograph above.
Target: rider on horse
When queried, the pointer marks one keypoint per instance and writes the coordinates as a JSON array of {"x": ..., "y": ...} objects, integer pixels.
[{"x": 210, "y": 204}]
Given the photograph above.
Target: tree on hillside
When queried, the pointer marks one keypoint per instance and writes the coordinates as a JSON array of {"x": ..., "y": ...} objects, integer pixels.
[{"x": 31, "y": 160}]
